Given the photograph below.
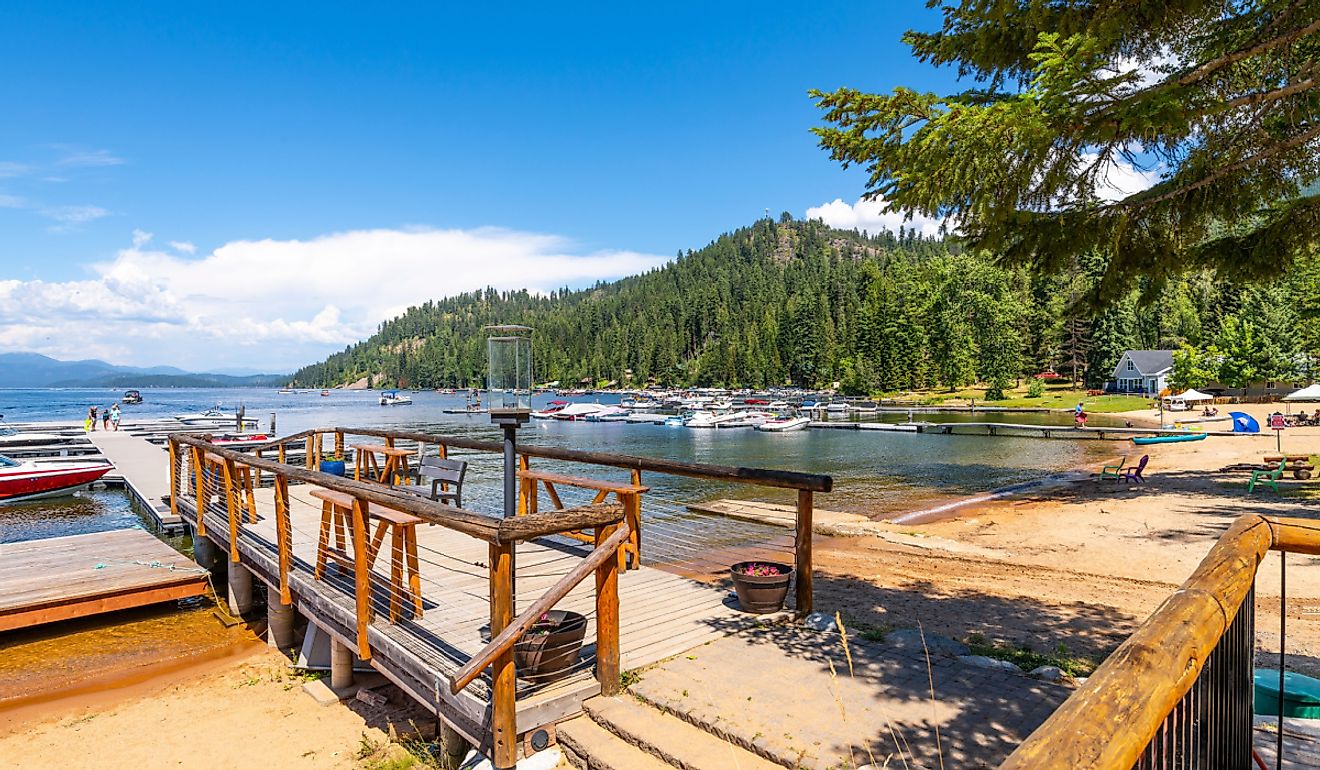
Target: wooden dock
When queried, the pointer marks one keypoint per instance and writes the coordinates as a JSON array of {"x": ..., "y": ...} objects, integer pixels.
[
  {"x": 145, "y": 468},
  {"x": 59, "y": 578},
  {"x": 1021, "y": 430}
]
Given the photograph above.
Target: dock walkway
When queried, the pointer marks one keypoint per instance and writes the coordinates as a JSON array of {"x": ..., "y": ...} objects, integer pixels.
[
  {"x": 58, "y": 578},
  {"x": 145, "y": 469}
]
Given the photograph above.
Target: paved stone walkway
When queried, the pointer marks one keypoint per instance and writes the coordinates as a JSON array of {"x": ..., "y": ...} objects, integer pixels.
[
  {"x": 772, "y": 690},
  {"x": 1301, "y": 741}
]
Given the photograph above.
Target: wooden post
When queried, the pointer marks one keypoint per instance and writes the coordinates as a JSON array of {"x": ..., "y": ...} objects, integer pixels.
[
  {"x": 257, "y": 480},
  {"x": 802, "y": 553},
  {"x": 283, "y": 529},
  {"x": 231, "y": 504},
  {"x": 283, "y": 460},
  {"x": 504, "y": 711},
  {"x": 526, "y": 488},
  {"x": 311, "y": 451},
  {"x": 607, "y": 618},
  {"x": 174, "y": 478},
  {"x": 199, "y": 477},
  {"x": 636, "y": 522},
  {"x": 362, "y": 576},
  {"x": 443, "y": 451},
  {"x": 339, "y": 443}
]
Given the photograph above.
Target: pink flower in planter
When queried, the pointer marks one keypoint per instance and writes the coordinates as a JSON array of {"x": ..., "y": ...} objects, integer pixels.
[{"x": 761, "y": 570}]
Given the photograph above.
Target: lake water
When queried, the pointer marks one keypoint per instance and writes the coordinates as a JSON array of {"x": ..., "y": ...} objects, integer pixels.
[{"x": 879, "y": 474}]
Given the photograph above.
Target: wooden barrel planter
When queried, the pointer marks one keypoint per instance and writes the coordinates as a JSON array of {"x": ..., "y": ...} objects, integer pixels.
[
  {"x": 549, "y": 649},
  {"x": 761, "y": 586}
]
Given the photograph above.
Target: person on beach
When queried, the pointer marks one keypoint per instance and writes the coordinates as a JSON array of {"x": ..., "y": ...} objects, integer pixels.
[
  {"x": 91, "y": 418},
  {"x": 105, "y": 419},
  {"x": 1080, "y": 419},
  {"x": 115, "y": 415}
]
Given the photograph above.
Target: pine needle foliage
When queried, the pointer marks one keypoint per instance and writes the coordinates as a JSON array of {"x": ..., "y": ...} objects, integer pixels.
[{"x": 1218, "y": 99}]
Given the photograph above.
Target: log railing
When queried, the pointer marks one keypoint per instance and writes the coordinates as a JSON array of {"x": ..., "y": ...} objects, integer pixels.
[
  {"x": 219, "y": 469},
  {"x": 1177, "y": 693},
  {"x": 806, "y": 484}
]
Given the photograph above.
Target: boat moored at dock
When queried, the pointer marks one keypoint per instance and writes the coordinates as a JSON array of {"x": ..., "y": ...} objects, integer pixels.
[{"x": 28, "y": 480}]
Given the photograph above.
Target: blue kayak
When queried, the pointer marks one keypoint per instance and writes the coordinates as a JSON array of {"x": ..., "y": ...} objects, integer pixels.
[{"x": 1168, "y": 439}]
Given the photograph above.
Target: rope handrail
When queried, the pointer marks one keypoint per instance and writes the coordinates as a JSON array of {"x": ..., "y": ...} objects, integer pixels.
[
  {"x": 1108, "y": 721},
  {"x": 608, "y": 549}
]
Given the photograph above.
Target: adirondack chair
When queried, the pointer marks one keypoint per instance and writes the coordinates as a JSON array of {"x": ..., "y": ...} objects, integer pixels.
[
  {"x": 440, "y": 471},
  {"x": 1134, "y": 474},
  {"x": 1114, "y": 471},
  {"x": 1267, "y": 478}
]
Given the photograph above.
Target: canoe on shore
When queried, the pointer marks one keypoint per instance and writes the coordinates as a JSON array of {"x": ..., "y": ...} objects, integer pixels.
[{"x": 1168, "y": 439}]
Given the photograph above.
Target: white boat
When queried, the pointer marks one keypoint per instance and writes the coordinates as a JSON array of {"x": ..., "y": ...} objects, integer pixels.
[
  {"x": 700, "y": 419},
  {"x": 784, "y": 425},
  {"x": 394, "y": 398},
  {"x": 13, "y": 438},
  {"x": 213, "y": 417},
  {"x": 777, "y": 406},
  {"x": 579, "y": 411},
  {"x": 675, "y": 421},
  {"x": 609, "y": 414},
  {"x": 838, "y": 407},
  {"x": 550, "y": 411},
  {"x": 286, "y": 391}
]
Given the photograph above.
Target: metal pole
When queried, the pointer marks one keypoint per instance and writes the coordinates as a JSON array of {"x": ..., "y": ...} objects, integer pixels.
[{"x": 1283, "y": 638}]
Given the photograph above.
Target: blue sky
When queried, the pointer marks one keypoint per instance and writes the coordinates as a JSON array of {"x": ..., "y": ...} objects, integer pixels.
[{"x": 149, "y": 148}]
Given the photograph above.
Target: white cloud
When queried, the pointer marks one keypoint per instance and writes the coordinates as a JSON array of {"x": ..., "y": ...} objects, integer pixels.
[
  {"x": 277, "y": 304},
  {"x": 11, "y": 202},
  {"x": 1119, "y": 178},
  {"x": 141, "y": 238},
  {"x": 869, "y": 216},
  {"x": 77, "y": 157},
  {"x": 183, "y": 247},
  {"x": 70, "y": 217},
  {"x": 9, "y": 168}
]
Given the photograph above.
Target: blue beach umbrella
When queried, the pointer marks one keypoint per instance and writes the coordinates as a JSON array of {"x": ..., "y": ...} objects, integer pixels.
[{"x": 1244, "y": 423}]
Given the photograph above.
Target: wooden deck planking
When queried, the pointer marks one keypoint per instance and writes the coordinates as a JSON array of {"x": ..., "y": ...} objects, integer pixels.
[
  {"x": 145, "y": 468},
  {"x": 58, "y": 578},
  {"x": 662, "y": 613}
]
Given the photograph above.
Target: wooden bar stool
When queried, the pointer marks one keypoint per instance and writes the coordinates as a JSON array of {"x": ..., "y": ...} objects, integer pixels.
[
  {"x": 336, "y": 511},
  {"x": 402, "y": 528}
]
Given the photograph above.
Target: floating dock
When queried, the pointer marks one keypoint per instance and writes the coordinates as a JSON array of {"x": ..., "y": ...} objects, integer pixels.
[
  {"x": 145, "y": 469},
  {"x": 1098, "y": 433},
  {"x": 59, "y": 578}
]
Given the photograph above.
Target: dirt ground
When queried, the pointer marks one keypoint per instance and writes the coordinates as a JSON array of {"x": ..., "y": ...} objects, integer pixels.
[
  {"x": 248, "y": 711},
  {"x": 1082, "y": 565}
]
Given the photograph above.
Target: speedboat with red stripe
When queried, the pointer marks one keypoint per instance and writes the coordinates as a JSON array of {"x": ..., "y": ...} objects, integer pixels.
[{"x": 27, "y": 480}]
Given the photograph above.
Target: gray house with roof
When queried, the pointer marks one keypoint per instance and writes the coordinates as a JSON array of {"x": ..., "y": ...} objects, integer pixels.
[{"x": 1142, "y": 371}]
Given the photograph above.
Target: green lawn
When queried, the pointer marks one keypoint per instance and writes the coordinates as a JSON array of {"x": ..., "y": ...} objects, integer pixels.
[{"x": 1053, "y": 398}]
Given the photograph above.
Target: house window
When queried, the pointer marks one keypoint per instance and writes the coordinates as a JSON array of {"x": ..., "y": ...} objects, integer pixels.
[{"x": 1131, "y": 367}]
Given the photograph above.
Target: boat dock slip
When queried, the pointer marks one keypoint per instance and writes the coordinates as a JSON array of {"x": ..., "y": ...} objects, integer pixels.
[
  {"x": 145, "y": 468},
  {"x": 58, "y": 578}
]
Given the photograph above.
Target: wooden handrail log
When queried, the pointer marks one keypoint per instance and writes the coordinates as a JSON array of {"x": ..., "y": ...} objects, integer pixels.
[
  {"x": 514, "y": 631},
  {"x": 1108, "y": 722},
  {"x": 814, "y": 482},
  {"x": 543, "y": 523}
]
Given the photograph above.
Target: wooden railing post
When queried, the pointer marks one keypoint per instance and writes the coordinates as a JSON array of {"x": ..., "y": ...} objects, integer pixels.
[
  {"x": 802, "y": 553},
  {"x": 231, "y": 504},
  {"x": 257, "y": 471},
  {"x": 199, "y": 479},
  {"x": 174, "y": 478},
  {"x": 282, "y": 458},
  {"x": 504, "y": 711},
  {"x": 361, "y": 576},
  {"x": 526, "y": 488},
  {"x": 339, "y": 443},
  {"x": 607, "y": 617},
  {"x": 283, "y": 530},
  {"x": 310, "y": 459}
]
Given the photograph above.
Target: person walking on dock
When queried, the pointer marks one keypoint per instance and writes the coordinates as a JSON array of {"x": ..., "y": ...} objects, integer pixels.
[
  {"x": 105, "y": 419},
  {"x": 91, "y": 418},
  {"x": 115, "y": 415}
]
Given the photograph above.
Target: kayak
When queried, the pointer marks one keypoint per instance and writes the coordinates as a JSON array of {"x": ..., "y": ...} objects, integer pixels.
[{"x": 1168, "y": 439}]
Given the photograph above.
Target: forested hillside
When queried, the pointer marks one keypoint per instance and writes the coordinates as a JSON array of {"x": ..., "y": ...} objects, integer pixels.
[{"x": 798, "y": 302}]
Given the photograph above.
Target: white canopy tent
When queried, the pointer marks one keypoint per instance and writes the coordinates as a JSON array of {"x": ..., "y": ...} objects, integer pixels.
[
  {"x": 1308, "y": 393},
  {"x": 1189, "y": 396}
]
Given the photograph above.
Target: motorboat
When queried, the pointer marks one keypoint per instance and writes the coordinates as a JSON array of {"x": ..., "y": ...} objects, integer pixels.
[
  {"x": 701, "y": 419},
  {"x": 28, "y": 480},
  {"x": 287, "y": 392},
  {"x": 214, "y": 416},
  {"x": 325, "y": 393},
  {"x": 550, "y": 411},
  {"x": 838, "y": 407},
  {"x": 10, "y": 437},
  {"x": 394, "y": 398},
  {"x": 132, "y": 397},
  {"x": 784, "y": 424},
  {"x": 675, "y": 421},
  {"x": 608, "y": 414},
  {"x": 240, "y": 439},
  {"x": 777, "y": 406},
  {"x": 579, "y": 411}
]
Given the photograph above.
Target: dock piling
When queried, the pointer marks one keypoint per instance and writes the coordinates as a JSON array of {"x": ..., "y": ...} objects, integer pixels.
[
  {"x": 240, "y": 590},
  {"x": 279, "y": 621},
  {"x": 341, "y": 665}
]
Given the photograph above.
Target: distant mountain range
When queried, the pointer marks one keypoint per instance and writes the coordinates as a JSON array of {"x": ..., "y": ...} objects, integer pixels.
[{"x": 32, "y": 370}]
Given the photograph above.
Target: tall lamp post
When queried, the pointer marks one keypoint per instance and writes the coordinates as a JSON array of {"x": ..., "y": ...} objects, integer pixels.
[{"x": 509, "y": 382}]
